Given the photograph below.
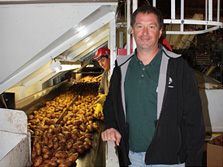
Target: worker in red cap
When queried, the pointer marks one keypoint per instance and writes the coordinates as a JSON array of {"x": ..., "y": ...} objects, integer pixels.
[{"x": 103, "y": 57}]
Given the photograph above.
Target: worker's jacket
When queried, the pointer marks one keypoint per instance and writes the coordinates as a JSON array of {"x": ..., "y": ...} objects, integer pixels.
[
  {"x": 179, "y": 128},
  {"x": 104, "y": 84}
]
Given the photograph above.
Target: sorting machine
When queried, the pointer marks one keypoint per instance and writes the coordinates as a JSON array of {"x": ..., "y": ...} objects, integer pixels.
[{"x": 36, "y": 36}]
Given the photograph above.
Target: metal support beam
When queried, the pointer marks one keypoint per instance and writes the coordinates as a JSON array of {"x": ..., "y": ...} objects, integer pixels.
[
  {"x": 173, "y": 8},
  {"x": 182, "y": 16},
  {"x": 128, "y": 27},
  {"x": 135, "y": 6},
  {"x": 112, "y": 44},
  {"x": 112, "y": 157},
  {"x": 210, "y": 10},
  {"x": 218, "y": 9}
]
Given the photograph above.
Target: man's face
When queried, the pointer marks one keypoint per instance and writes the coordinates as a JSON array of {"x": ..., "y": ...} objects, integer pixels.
[
  {"x": 104, "y": 63},
  {"x": 146, "y": 31}
]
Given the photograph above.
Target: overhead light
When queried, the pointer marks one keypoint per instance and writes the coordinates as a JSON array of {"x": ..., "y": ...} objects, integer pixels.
[
  {"x": 90, "y": 65},
  {"x": 59, "y": 66}
]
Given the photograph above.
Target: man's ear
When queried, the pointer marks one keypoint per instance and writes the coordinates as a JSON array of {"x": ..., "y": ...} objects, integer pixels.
[{"x": 161, "y": 31}]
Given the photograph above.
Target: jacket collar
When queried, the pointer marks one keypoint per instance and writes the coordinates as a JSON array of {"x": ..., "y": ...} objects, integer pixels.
[{"x": 123, "y": 59}]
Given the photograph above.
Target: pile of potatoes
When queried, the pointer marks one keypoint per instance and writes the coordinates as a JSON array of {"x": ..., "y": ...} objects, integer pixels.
[
  {"x": 218, "y": 140},
  {"x": 90, "y": 79},
  {"x": 60, "y": 144}
]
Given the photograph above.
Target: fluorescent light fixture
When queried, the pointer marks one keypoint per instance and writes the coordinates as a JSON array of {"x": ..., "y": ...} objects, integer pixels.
[
  {"x": 59, "y": 66},
  {"x": 90, "y": 65},
  {"x": 55, "y": 65},
  {"x": 65, "y": 67}
]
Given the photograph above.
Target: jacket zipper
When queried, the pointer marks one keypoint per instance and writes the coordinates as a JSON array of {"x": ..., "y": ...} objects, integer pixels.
[{"x": 179, "y": 162}]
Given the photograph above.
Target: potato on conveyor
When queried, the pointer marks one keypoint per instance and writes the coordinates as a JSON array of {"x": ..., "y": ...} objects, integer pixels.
[{"x": 38, "y": 161}]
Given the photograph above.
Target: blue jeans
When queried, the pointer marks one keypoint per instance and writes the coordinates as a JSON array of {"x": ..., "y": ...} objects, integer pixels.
[{"x": 138, "y": 160}]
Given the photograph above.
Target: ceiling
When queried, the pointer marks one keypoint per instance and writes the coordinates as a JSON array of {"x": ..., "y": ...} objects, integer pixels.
[{"x": 33, "y": 34}]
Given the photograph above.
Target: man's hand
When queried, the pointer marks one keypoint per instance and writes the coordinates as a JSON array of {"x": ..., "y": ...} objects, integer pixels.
[{"x": 111, "y": 135}]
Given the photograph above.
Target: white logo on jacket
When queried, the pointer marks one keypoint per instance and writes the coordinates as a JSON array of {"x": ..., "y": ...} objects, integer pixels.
[{"x": 170, "y": 84}]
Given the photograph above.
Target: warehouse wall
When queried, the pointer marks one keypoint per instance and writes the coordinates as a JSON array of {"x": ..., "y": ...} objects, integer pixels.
[{"x": 212, "y": 109}]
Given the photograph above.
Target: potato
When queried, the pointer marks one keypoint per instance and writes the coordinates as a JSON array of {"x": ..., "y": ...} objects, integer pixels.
[
  {"x": 74, "y": 136},
  {"x": 54, "y": 139},
  {"x": 80, "y": 149},
  {"x": 49, "y": 134},
  {"x": 88, "y": 135},
  {"x": 38, "y": 132},
  {"x": 59, "y": 149},
  {"x": 66, "y": 134},
  {"x": 72, "y": 150},
  {"x": 38, "y": 148},
  {"x": 88, "y": 141},
  {"x": 89, "y": 115},
  {"x": 73, "y": 157},
  {"x": 79, "y": 142},
  {"x": 69, "y": 145},
  {"x": 70, "y": 140},
  {"x": 33, "y": 154},
  {"x": 86, "y": 145},
  {"x": 61, "y": 154},
  {"x": 50, "y": 162},
  {"x": 76, "y": 122},
  {"x": 57, "y": 129},
  {"x": 38, "y": 161},
  {"x": 61, "y": 160},
  {"x": 44, "y": 134},
  {"x": 45, "y": 165},
  {"x": 95, "y": 126},
  {"x": 31, "y": 131},
  {"x": 65, "y": 164},
  {"x": 54, "y": 159},
  {"x": 82, "y": 138},
  {"x": 46, "y": 156},
  {"x": 90, "y": 128},
  {"x": 46, "y": 150},
  {"x": 75, "y": 146},
  {"x": 217, "y": 141},
  {"x": 75, "y": 130},
  {"x": 61, "y": 137},
  {"x": 45, "y": 140},
  {"x": 31, "y": 116},
  {"x": 50, "y": 144},
  {"x": 82, "y": 127},
  {"x": 55, "y": 145}
]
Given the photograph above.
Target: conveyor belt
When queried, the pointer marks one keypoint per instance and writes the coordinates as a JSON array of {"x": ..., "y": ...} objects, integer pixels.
[
  {"x": 65, "y": 111},
  {"x": 95, "y": 156}
]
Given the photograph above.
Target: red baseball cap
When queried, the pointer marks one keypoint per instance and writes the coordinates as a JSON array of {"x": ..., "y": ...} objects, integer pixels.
[{"x": 102, "y": 52}]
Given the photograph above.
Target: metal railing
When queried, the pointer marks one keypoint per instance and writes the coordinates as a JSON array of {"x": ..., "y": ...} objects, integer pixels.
[{"x": 209, "y": 23}]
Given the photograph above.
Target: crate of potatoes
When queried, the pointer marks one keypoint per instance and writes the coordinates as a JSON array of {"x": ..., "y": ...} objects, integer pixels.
[{"x": 215, "y": 152}]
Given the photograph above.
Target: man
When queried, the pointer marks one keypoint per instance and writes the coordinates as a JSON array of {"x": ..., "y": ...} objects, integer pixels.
[
  {"x": 103, "y": 57},
  {"x": 153, "y": 108}
]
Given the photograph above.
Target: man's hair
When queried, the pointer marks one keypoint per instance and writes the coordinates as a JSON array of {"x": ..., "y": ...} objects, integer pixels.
[{"x": 148, "y": 10}]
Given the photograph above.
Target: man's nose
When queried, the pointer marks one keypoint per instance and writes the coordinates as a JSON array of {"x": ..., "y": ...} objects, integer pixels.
[
  {"x": 101, "y": 63},
  {"x": 145, "y": 30}
]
